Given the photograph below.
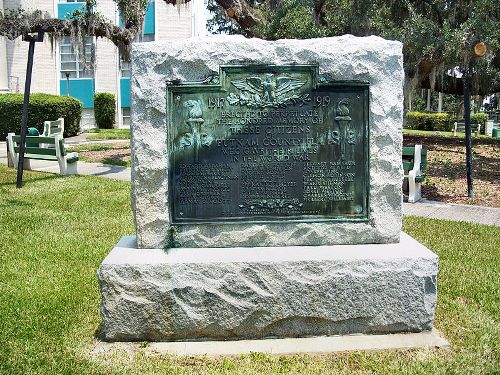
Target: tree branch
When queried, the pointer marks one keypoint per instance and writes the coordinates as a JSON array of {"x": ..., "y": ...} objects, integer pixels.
[
  {"x": 318, "y": 6},
  {"x": 239, "y": 10}
]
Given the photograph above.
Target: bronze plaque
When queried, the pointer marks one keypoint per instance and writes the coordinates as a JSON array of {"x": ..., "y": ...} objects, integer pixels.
[{"x": 268, "y": 143}]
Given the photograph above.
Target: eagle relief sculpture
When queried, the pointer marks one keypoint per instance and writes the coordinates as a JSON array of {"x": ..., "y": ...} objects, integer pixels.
[{"x": 268, "y": 92}]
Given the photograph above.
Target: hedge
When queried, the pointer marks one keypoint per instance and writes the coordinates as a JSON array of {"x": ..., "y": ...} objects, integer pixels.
[
  {"x": 429, "y": 121},
  {"x": 479, "y": 118},
  {"x": 104, "y": 110},
  {"x": 42, "y": 107}
]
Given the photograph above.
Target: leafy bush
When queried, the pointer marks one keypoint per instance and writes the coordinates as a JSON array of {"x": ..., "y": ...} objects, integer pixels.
[
  {"x": 429, "y": 121},
  {"x": 479, "y": 118},
  {"x": 104, "y": 110},
  {"x": 42, "y": 107}
]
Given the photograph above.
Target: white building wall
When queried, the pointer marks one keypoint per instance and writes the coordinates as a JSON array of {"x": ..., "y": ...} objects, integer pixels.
[
  {"x": 4, "y": 77},
  {"x": 44, "y": 77},
  {"x": 173, "y": 21},
  {"x": 106, "y": 59}
]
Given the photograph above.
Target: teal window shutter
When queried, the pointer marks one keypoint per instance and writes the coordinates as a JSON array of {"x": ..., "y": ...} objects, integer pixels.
[{"x": 64, "y": 10}]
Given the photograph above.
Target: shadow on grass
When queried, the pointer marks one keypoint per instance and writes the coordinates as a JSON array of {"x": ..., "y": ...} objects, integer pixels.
[
  {"x": 484, "y": 168},
  {"x": 31, "y": 178},
  {"x": 114, "y": 161},
  {"x": 99, "y": 332},
  {"x": 15, "y": 203}
]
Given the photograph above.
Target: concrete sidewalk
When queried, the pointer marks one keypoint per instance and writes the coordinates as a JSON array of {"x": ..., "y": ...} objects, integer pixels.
[
  {"x": 455, "y": 212},
  {"x": 87, "y": 169},
  {"x": 424, "y": 208}
]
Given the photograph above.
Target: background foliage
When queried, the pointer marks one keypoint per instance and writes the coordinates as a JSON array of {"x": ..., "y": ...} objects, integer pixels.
[
  {"x": 42, "y": 107},
  {"x": 104, "y": 110},
  {"x": 429, "y": 121}
]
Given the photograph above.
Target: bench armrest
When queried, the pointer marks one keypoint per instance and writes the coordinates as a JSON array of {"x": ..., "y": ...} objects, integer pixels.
[
  {"x": 71, "y": 155},
  {"x": 417, "y": 161}
]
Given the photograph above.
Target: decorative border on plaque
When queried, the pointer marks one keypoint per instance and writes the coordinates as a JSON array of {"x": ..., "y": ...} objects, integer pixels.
[{"x": 267, "y": 143}]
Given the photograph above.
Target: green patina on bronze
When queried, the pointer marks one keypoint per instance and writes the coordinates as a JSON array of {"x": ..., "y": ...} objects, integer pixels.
[{"x": 268, "y": 143}]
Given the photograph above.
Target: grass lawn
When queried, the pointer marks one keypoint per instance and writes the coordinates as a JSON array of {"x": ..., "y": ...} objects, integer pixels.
[
  {"x": 55, "y": 231},
  {"x": 100, "y": 134}
]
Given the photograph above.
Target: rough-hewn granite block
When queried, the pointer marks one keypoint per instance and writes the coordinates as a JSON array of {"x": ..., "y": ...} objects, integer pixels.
[
  {"x": 236, "y": 293},
  {"x": 371, "y": 59}
]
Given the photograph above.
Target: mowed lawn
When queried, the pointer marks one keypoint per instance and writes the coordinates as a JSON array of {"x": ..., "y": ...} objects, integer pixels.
[{"x": 55, "y": 231}]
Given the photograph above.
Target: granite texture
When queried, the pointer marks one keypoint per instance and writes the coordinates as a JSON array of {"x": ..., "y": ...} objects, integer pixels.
[
  {"x": 245, "y": 293},
  {"x": 371, "y": 59}
]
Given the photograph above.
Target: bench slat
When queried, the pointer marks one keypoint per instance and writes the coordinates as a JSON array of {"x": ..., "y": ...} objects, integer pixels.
[
  {"x": 409, "y": 155},
  {"x": 40, "y": 157},
  {"x": 37, "y": 150},
  {"x": 408, "y": 151},
  {"x": 407, "y": 165},
  {"x": 35, "y": 139},
  {"x": 417, "y": 178}
]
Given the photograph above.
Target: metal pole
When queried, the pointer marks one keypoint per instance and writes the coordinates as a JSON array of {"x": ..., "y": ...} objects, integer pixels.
[
  {"x": 67, "y": 83},
  {"x": 468, "y": 140},
  {"x": 24, "y": 119}
]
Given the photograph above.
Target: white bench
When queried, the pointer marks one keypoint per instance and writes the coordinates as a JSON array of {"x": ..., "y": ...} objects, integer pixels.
[
  {"x": 460, "y": 128},
  {"x": 52, "y": 128},
  {"x": 414, "y": 166},
  {"x": 36, "y": 150}
]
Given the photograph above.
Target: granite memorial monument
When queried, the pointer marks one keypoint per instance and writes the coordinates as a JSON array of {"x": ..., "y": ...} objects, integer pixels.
[{"x": 266, "y": 190}]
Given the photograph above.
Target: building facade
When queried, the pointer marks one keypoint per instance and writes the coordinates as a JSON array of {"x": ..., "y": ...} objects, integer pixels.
[{"x": 59, "y": 69}]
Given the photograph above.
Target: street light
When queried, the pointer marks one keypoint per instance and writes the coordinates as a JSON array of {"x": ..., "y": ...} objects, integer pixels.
[
  {"x": 67, "y": 83},
  {"x": 32, "y": 38},
  {"x": 478, "y": 50}
]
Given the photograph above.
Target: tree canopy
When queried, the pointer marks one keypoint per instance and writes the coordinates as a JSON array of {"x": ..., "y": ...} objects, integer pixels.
[{"x": 438, "y": 35}]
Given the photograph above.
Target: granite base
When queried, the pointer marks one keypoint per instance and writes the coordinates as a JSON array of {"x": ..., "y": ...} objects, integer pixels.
[{"x": 252, "y": 293}]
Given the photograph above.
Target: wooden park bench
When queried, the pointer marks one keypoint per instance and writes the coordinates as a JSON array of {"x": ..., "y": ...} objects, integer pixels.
[
  {"x": 36, "y": 150},
  {"x": 459, "y": 127},
  {"x": 414, "y": 166}
]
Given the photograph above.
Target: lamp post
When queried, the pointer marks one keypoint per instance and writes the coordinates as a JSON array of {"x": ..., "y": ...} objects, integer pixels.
[
  {"x": 479, "y": 50},
  {"x": 67, "y": 83},
  {"x": 32, "y": 39}
]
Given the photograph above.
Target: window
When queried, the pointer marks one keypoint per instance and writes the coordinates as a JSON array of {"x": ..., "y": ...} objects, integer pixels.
[
  {"x": 72, "y": 62},
  {"x": 124, "y": 68},
  {"x": 126, "y": 116},
  {"x": 125, "y": 65},
  {"x": 148, "y": 38}
]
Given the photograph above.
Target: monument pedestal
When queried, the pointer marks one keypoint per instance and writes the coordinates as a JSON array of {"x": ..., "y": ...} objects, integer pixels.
[{"x": 249, "y": 293}]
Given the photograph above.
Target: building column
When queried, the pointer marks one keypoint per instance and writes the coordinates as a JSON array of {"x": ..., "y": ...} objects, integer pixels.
[
  {"x": 4, "y": 74},
  {"x": 440, "y": 102}
]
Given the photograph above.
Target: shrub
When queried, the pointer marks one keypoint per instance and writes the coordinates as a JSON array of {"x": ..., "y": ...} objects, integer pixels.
[
  {"x": 479, "y": 118},
  {"x": 429, "y": 121},
  {"x": 104, "y": 110},
  {"x": 42, "y": 107}
]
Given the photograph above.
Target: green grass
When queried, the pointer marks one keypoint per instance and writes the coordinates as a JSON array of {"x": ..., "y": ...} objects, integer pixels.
[
  {"x": 55, "y": 231},
  {"x": 441, "y": 134},
  {"x": 97, "y": 147},
  {"x": 101, "y": 134}
]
